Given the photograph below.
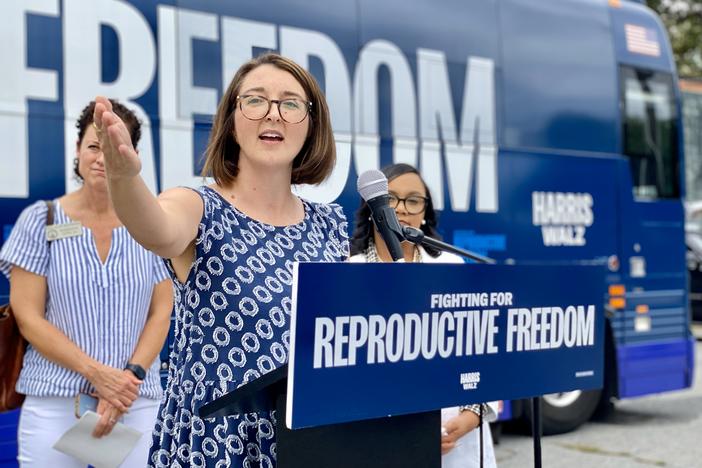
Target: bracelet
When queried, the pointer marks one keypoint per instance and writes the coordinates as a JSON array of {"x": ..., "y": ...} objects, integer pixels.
[{"x": 475, "y": 409}]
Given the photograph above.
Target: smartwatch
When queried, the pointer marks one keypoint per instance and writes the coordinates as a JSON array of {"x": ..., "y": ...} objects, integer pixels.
[{"x": 137, "y": 370}]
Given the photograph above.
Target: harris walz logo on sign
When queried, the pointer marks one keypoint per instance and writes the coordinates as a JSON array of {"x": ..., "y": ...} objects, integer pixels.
[{"x": 470, "y": 380}]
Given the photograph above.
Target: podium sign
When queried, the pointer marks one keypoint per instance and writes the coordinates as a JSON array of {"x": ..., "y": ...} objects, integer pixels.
[{"x": 372, "y": 340}]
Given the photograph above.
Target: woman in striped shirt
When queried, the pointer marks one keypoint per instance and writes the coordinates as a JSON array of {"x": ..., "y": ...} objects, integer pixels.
[{"x": 95, "y": 308}]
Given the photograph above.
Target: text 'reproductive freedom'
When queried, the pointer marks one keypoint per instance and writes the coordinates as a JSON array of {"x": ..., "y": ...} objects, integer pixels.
[{"x": 469, "y": 329}]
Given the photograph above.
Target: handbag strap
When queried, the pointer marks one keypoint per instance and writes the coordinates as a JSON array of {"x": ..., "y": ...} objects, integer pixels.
[
  {"x": 49, "y": 212},
  {"x": 49, "y": 217}
]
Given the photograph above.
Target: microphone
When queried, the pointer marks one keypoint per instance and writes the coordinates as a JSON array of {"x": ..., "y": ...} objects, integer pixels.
[{"x": 373, "y": 187}]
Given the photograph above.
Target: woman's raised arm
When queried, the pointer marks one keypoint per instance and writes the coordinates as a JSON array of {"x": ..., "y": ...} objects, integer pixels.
[{"x": 165, "y": 225}]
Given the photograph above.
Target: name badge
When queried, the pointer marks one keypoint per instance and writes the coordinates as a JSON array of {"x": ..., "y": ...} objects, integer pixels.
[{"x": 62, "y": 231}]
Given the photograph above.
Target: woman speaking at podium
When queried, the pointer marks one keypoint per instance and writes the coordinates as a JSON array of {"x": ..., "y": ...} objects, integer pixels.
[
  {"x": 411, "y": 199},
  {"x": 231, "y": 247}
]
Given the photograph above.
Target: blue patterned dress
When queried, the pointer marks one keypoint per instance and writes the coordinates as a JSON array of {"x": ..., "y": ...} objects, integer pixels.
[{"x": 232, "y": 326}]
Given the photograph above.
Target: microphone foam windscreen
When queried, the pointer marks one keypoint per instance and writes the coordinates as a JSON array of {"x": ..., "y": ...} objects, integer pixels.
[{"x": 371, "y": 184}]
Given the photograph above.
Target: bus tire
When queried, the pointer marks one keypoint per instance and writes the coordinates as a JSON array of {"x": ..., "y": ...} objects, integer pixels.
[{"x": 564, "y": 412}]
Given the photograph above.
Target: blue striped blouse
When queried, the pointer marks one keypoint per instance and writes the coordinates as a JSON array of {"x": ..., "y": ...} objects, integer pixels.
[{"x": 102, "y": 308}]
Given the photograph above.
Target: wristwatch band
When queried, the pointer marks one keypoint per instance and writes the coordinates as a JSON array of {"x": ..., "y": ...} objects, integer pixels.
[{"x": 137, "y": 370}]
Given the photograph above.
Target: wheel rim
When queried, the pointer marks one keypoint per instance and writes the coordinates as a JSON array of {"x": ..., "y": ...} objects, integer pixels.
[{"x": 561, "y": 400}]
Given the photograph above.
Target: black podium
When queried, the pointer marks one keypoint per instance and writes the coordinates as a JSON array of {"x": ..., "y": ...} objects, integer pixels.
[{"x": 398, "y": 441}]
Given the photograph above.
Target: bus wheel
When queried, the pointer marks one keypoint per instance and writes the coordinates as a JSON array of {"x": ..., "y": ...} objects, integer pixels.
[{"x": 563, "y": 412}]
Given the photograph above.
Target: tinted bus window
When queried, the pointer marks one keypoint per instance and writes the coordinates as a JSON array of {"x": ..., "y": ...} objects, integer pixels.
[
  {"x": 692, "y": 121},
  {"x": 650, "y": 132}
]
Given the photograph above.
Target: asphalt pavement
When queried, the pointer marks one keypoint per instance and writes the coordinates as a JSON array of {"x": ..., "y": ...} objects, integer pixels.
[{"x": 655, "y": 431}]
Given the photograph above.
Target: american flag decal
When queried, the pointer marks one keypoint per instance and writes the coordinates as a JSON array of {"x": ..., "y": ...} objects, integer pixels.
[{"x": 641, "y": 40}]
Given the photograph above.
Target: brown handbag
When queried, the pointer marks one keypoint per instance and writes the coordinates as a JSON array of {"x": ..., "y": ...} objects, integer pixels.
[{"x": 12, "y": 347}]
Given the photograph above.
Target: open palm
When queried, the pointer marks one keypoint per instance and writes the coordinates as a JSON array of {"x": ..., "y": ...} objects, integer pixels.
[{"x": 121, "y": 158}]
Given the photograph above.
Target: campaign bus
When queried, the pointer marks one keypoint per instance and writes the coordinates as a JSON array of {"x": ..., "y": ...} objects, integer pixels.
[{"x": 548, "y": 132}]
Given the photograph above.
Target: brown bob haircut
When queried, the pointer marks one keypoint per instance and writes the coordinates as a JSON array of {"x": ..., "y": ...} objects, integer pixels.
[{"x": 315, "y": 161}]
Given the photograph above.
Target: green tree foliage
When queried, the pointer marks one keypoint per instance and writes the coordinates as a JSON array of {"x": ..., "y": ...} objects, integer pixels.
[{"x": 683, "y": 19}]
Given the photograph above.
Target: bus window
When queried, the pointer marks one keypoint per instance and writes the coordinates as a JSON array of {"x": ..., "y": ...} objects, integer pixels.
[
  {"x": 692, "y": 121},
  {"x": 650, "y": 123}
]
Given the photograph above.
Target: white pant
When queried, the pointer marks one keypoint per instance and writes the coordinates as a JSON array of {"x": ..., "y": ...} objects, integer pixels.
[{"x": 44, "y": 419}]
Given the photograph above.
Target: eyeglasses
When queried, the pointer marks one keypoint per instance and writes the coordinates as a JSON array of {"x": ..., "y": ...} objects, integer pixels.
[
  {"x": 414, "y": 204},
  {"x": 257, "y": 107}
]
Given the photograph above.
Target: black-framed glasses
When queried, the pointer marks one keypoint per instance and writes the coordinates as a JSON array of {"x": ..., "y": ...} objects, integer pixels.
[
  {"x": 414, "y": 204},
  {"x": 291, "y": 110}
]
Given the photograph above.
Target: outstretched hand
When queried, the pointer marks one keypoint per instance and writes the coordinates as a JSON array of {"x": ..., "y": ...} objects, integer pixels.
[{"x": 121, "y": 158}]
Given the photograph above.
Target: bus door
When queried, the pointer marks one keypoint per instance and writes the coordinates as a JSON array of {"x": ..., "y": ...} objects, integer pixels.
[{"x": 655, "y": 325}]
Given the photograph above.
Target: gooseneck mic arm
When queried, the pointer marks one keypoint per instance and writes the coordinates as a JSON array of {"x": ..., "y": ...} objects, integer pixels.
[{"x": 416, "y": 236}]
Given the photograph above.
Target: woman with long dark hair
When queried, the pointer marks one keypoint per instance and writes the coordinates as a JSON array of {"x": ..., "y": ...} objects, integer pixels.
[{"x": 411, "y": 199}]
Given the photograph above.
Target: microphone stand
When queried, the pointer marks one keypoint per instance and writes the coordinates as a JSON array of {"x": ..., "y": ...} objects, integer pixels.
[{"x": 417, "y": 237}]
